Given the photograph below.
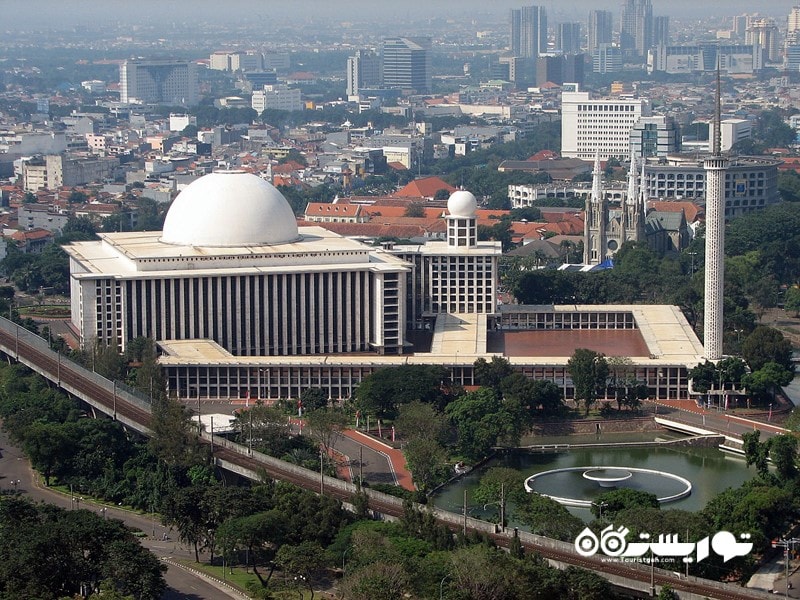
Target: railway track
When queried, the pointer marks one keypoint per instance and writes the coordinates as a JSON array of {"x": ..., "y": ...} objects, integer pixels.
[{"x": 75, "y": 379}]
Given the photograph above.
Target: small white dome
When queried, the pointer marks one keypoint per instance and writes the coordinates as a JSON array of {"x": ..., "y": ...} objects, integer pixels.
[
  {"x": 462, "y": 204},
  {"x": 229, "y": 208}
]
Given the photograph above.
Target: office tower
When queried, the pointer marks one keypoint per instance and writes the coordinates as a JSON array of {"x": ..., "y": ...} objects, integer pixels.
[
  {"x": 716, "y": 167},
  {"x": 407, "y": 63},
  {"x": 636, "y": 27},
  {"x": 158, "y": 82},
  {"x": 606, "y": 59},
  {"x": 660, "y": 30},
  {"x": 363, "y": 71},
  {"x": 764, "y": 32},
  {"x": 794, "y": 21},
  {"x": 601, "y": 26},
  {"x": 597, "y": 126},
  {"x": 568, "y": 38},
  {"x": 655, "y": 136},
  {"x": 528, "y": 31},
  {"x": 740, "y": 25}
]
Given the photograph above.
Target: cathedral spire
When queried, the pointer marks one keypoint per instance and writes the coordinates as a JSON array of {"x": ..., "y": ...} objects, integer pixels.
[
  {"x": 633, "y": 191},
  {"x": 643, "y": 190},
  {"x": 597, "y": 180}
]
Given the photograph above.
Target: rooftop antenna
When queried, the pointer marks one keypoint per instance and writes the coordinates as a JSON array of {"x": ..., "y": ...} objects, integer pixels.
[{"x": 717, "y": 148}]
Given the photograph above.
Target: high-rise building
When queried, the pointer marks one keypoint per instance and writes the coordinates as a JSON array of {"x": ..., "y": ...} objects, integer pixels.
[
  {"x": 406, "y": 63},
  {"x": 601, "y": 26},
  {"x": 363, "y": 71},
  {"x": 559, "y": 68},
  {"x": 740, "y": 25},
  {"x": 591, "y": 126},
  {"x": 704, "y": 57},
  {"x": 528, "y": 31},
  {"x": 158, "y": 82},
  {"x": 606, "y": 58},
  {"x": 764, "y": 33},
  {"x": 660, "y": 30},
  {"x": 568, "y": 38},
  {"x": 794, "y": 21},
  {"x": 655, "y": 136},
  {"x": 636, "y": 27}
]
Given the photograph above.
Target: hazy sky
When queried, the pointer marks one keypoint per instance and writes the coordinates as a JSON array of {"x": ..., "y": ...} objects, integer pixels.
[
  {"x": 49, "y": 14},
  {"x": 57, "y": 14}
]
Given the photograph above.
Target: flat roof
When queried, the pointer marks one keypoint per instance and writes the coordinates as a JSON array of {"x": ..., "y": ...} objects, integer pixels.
[
  {"x": 142, "y": 254},
  {"x": 663, "y": 337}
]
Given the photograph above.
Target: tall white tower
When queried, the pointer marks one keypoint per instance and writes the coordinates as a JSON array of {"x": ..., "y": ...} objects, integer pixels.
[{"x": 715, "y": 166}]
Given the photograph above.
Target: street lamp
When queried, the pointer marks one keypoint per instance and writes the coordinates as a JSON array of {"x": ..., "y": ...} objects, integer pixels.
[
  {"x": 600, "y": 506},
  {"x": 786, "y": 544},
  {"x": 441, "y": 586},
  {"x": 103, "y": 512},
  {"x": 344, "y": 554},
  {"x": 15, "y": 483}
]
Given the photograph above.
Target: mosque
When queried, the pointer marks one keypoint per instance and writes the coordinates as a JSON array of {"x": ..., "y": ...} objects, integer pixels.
[{"x": 243, "y": 303}]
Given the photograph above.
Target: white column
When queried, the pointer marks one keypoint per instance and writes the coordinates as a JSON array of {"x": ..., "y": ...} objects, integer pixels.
[
  {"x": 286, "y": 347},
  {"x": 302, "y": 325}
]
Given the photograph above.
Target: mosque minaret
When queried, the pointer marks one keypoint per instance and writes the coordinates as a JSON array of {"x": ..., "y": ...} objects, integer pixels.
[{"x": 715, "y": 166}]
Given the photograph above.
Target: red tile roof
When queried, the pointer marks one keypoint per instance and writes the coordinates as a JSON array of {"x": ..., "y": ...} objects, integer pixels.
[{"x": 425, "y": 188}]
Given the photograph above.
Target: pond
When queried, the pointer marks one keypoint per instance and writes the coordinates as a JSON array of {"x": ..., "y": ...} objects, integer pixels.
[{"x": 709, "y": 470}]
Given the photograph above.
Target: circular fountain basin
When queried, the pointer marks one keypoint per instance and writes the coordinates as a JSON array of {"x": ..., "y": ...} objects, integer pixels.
[
  {"x": 607, "y": 477},
  {"x": 610, "y": 477}
]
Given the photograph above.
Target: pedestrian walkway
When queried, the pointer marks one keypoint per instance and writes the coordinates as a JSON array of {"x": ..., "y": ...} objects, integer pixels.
[
  {"x": 397, "y": 460},
  {"x": 717, "y": 418}
]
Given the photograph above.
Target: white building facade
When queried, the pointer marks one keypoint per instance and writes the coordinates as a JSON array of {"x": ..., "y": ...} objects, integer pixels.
[
  {"x": 276, "y": 97},
  {"x": 589, "y": 126},
  {"x": 232, "y": 266}
]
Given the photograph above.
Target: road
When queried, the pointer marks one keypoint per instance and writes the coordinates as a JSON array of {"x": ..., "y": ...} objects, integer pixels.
[{"x": 182, "y": 584}]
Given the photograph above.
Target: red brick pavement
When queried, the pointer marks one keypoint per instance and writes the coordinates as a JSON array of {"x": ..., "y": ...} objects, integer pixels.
[{"x": 396, "y": 459}]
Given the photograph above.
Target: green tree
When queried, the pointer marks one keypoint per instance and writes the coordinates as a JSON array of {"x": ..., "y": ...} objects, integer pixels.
[
  {"x": 482, "y": 421},
  {"x": 756, "y": 452},
  {"x": 304, "y": 560},
  {"x": 766, "y": 345},
  {"x": 498, "y": 486},
  {"x": 173, "y": 435},
  {"x": 615, "y": 501},
  {"x": 313, "y": 398},
  {"x": 783, "y": 452},
  {"x": 49, "y": 447},
  {"x": 417, "y": 420},
  {"x": 384, "y": 391},
  {"x": 264, "y": 428},
  {"x": 589, "y": 372},
  {"x": 791, "y": 301},
  {"x": 326, "y": 427},
  {"x": 426, "y": 460},
  {"x": 761, "y": 384},
  {"x": 548, "y": 518},
  {"x": 492, "y": 372}
]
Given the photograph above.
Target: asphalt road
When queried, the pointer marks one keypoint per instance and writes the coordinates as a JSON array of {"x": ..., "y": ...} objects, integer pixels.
[{"x": 183, "y": 585}]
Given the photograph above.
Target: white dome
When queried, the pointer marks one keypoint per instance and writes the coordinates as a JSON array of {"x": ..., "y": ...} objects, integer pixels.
[
  {"x": 462, "y": 204},
  {"x": 229, "y": 208}
]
